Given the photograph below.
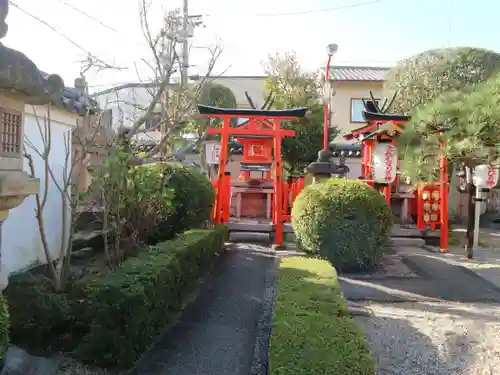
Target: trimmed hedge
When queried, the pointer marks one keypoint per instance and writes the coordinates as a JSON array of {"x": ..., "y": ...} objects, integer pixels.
[
  {"x": 312, "y": 333},
  {"x": 342, "y": 220},
  {"x": 129, "y": 307},
  {"x": 4, "y": 327},
  {"x": 48, "y": 313}
]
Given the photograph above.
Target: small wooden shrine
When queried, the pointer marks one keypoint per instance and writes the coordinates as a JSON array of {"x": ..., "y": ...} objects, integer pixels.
[
  {"x": 261, "y": 136},
  {"x": 380, "y": 169},
  {"x": 253, "y": 191},
  {"x": 379, "y": 156}
]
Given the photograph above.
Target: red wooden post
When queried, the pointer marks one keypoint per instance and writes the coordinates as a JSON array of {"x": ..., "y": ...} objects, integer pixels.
[
  {"x": 227, "y": 197},
  {"x": 363, "y": 160},
  {"x": 444, "y": 191},
  {"x": 387, "y": 193},
  {"x": 293, "y": 191},
  {"x": 302, "y": 183},
  {"x": 369, "y": 155},
  {"x": 220, "y": 191},
  {"x": 214, "y": 208},
  {"x": 420, "y": 207},
  {"x": 286, "y": 200},
  {"x": 278, "y": 184}
]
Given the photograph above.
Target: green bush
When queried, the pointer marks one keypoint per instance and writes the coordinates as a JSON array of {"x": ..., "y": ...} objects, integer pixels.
[
  {"x": 128, "y": 308},
  {"x": 37, "y": 313},
  {"x": 154, "y": 202},
  {"x": 144, "y": 202},
  {"x": 312, "y": 333},
  {"x": 193, "y": 198},
  {"x": 4, "y": 327},
  {"x": 344, "y": 221}
]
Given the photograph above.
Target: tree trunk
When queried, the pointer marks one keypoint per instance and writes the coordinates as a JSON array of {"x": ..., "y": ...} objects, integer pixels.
[{"x": 470, "y": 221}]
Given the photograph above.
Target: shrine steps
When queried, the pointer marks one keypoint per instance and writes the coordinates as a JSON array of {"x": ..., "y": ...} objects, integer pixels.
[
  {"x": 253, "y": 237},
  {"x": 262, "y": 231},
  {"x": 406, "y": 236},
  {"x": 255, "y": 230}
]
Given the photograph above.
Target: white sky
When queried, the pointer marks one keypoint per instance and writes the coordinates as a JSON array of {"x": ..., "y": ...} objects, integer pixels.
[{"x": 247, "y": 39}]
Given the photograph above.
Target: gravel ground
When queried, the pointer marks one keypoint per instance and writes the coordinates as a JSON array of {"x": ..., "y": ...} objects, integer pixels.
[
  {"x": 68, "y": 366},
  {"x": 434, "y": 338}
]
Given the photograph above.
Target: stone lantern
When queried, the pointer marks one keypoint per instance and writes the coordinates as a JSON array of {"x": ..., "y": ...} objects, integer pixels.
[
  {"x": 322, "y": 168},
  {"x": 21, "y": 84}
]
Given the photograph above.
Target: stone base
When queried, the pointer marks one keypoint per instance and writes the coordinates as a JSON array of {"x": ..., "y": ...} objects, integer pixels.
[
  {"x": 19, "y": 362},
  {"x": 15, "y": 186}
]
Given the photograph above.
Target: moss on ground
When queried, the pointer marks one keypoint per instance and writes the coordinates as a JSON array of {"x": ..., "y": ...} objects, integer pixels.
[{"x": 312, "y": 333}]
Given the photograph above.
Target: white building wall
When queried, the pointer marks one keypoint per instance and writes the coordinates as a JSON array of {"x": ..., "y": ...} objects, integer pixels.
[
  {"x": 21, "y": 244},
  {"x": 124, "y": 102}
]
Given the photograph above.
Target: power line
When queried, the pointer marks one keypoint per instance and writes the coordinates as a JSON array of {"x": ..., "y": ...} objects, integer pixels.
[
  {"x": 92, "y": 18},
  {"x": 88, "y": 16},
  {"x": 55, "y": 30},
  {"x": 305, "y": 12}
]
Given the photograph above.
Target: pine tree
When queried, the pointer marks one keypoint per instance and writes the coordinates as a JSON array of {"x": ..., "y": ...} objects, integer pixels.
[
  {"x": 421, "y": 78},
  {"x": 471, "y": 118}
]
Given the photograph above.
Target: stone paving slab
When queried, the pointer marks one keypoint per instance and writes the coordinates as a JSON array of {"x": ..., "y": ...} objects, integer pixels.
[
  {"x": 443, "y": 322},
  {"x": 486, "y": 262},
  {"x": 392, "y": 266},
  {"x": 439, "y": 280},
  {"x": 217, "y": 333}
]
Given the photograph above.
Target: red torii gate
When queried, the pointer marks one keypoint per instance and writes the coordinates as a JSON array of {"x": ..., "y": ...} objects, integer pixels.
[{"x": 260, "y": 123}]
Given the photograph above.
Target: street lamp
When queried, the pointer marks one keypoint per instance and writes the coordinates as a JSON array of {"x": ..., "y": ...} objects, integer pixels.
[{"x": 331, "y": 50}]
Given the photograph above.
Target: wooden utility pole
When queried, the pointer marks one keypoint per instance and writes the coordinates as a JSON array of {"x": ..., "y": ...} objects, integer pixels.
[{"x": 185, "y": 44}]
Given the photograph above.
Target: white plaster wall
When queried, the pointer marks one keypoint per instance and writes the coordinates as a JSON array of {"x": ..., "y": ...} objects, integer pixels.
[
  {"x": 21, "y": 245},
  {"x": 125, "y": 104}
]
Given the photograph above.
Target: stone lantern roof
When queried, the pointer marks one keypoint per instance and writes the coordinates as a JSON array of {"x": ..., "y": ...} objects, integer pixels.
[{"x": 19, "y": 75}]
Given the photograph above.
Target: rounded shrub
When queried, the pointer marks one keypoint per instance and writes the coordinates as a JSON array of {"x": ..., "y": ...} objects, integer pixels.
[{"x": 342, "y": 220}]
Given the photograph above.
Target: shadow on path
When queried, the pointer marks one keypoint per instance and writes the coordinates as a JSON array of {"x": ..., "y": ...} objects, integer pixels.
[
  {"x": 443, "y": 322},
  {"x": 400, "y": 348},
  {"x": 439, "y": 280},
  {"x": 217, "y": 332}
]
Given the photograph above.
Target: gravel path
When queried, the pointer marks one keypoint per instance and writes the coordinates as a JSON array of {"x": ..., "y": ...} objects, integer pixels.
[
  {"x": 418, "y": 338},
  {"x": 217, "y": 333}
]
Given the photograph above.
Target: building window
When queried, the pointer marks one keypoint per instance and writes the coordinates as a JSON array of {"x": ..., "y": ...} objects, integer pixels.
[
  {"x": 10, "y": 132},
  {"x": 357, "y": 108}
]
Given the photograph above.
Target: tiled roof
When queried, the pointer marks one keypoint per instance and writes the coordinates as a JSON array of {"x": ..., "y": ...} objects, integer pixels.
[
  {"x": 358, "y": 73},
  {"x": 74, "y": 101}
]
